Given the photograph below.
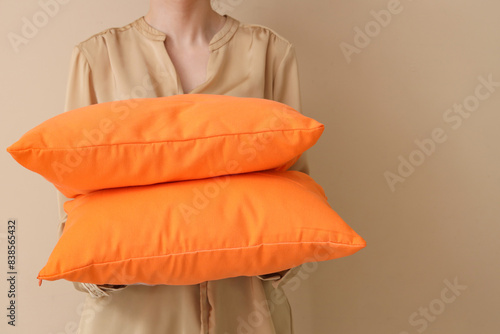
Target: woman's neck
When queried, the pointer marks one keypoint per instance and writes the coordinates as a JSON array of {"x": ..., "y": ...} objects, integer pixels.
[{"x": 185, "y": 22}]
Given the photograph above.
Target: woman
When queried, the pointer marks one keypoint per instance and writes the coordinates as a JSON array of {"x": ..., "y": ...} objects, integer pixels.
[{"x": 185, "y": 47}]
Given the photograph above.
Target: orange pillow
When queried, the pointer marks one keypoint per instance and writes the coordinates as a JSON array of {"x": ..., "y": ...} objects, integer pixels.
[
  {"x": 182, "y": 233},
  {"x": 153, "y": 140}
]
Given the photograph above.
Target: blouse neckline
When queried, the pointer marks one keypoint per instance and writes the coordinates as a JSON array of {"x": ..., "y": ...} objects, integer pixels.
[{"x": 219, "y": 39}]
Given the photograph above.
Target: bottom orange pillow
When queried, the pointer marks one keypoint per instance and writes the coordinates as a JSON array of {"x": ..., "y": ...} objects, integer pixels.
[{"x": 188, "y": 232}]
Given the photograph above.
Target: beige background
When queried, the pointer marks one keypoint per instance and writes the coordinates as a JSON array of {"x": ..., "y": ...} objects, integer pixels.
[{"x": 441, "y": 224}]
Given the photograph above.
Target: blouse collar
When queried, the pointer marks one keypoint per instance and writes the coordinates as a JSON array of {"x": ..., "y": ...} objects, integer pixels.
[{"x": 219, "y": 39}]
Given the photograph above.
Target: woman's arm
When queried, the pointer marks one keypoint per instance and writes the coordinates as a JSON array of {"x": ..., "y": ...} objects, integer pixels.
[
  {"x": 80, "y": 92},
  {"x": 286, "y": 89}
]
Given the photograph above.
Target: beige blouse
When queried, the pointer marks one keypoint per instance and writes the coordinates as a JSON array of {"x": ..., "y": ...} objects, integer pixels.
[{"x": 246, "y": 60}]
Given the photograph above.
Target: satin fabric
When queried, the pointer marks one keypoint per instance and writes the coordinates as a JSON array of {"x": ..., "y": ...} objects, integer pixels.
[{"x": 131, "y": 61}]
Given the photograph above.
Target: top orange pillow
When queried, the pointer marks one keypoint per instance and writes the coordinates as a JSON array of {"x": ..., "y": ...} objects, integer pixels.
[{"x": 152, "y": 140}]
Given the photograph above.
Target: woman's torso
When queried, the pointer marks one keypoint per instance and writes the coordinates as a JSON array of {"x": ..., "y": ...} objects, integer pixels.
[{"x": 132, "y": 62}]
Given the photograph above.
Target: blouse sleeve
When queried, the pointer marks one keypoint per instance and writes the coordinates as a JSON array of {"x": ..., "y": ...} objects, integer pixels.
[
  {"x": 286, "y": 89},
  {"x": 80, "y": 92}
]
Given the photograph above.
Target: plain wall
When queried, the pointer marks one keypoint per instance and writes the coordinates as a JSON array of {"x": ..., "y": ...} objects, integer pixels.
[{"x": 435, "y": 227}]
